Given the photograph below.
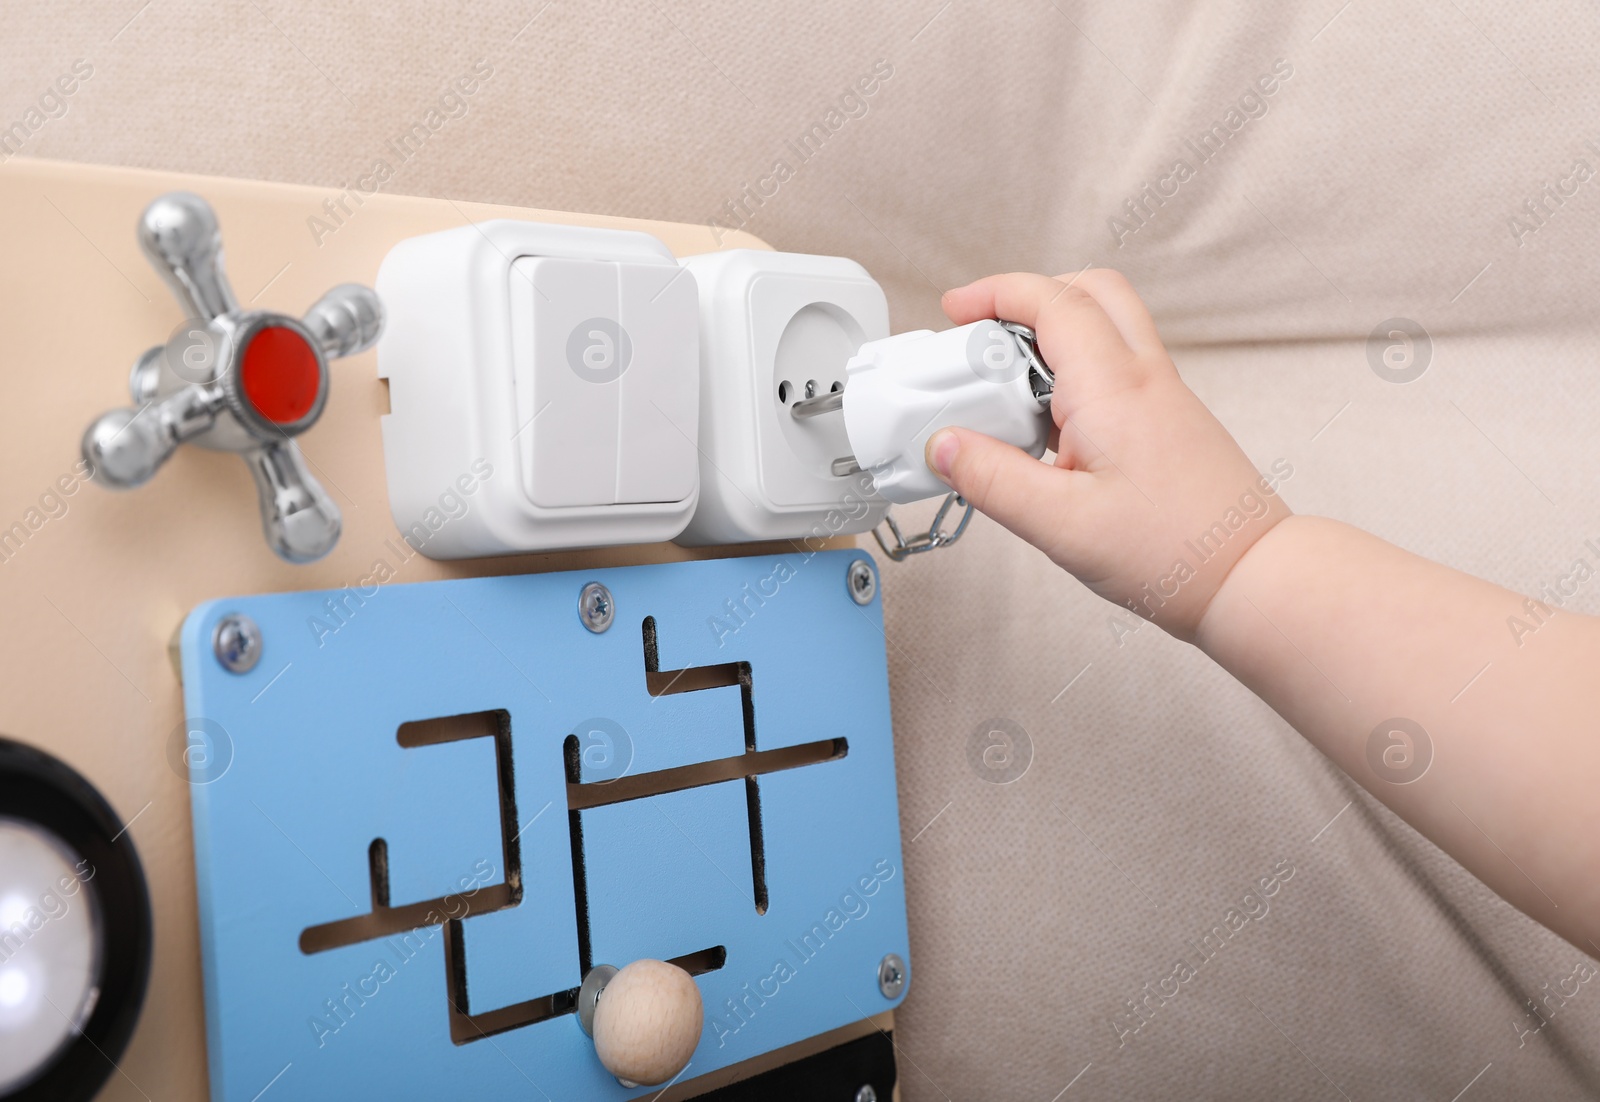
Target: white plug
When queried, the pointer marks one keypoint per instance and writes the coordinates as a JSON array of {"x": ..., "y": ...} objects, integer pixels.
[{"x": 900, "y": 390}]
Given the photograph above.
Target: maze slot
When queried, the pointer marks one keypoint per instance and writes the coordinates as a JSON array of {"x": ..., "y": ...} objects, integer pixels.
[
  {"x": 747, "y": 766},
  {"x": 385, "y": 919}
]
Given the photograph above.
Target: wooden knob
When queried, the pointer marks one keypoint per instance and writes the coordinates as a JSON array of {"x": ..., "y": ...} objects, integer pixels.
[{"x": 647, "y": 1022}]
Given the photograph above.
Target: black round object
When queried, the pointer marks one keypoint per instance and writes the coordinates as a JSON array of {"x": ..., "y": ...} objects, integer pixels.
[{"x": 43, "y": 791}]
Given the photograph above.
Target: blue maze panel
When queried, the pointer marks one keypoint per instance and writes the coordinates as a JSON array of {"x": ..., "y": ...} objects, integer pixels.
[{"x": 430, "y": 809}]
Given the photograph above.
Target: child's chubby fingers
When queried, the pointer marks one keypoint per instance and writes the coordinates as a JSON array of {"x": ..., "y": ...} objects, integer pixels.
[
  {"x": 1014, "y": 296},
  {"x": 1030, "y": 497},
  {"x": 1122, "y": 304},
  {"x": 1077, "y": 338}
]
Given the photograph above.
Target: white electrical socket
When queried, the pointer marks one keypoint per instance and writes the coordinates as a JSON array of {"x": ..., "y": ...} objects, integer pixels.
[
  {"x": 543, "y": 389},
  {"x": 776, "y": 328}
]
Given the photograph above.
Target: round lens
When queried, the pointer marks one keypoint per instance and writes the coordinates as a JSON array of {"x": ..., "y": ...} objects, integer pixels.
[{"x": 51, "y": 943}]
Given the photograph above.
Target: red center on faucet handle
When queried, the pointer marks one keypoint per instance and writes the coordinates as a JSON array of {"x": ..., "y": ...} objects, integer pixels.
[{"x": 281, "y": 375}]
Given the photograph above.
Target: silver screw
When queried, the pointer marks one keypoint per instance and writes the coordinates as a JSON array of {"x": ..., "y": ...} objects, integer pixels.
[
  {"x": 861, "y": 581},
  {"x": 891, "y": 976},
  {"x": 596, "y": 608},
  {"x": 867, "y": 1094},
  {"x": 237, "y": 642}
]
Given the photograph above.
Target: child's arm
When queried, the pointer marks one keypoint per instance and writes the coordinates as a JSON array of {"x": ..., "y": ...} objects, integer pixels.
[{"x": 1153, "y": 505}]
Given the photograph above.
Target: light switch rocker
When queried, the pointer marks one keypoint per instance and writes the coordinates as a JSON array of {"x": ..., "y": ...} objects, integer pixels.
[{"x": 245, "y": 381}]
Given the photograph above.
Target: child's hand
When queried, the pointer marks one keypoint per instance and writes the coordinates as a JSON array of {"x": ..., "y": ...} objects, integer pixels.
[
  {"x": 1364, "y": 648},
  {"x": 1150, "y": 501}
]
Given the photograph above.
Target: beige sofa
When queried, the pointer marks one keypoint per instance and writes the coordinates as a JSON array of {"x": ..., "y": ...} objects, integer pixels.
[{"x": 1341, "y": 166}]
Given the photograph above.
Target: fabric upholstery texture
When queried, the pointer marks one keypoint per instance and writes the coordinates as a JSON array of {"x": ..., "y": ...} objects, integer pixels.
[{"x": 1385, "y": 175}]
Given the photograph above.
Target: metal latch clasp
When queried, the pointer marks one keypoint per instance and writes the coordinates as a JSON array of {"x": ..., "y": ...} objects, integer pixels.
[{"x": 935, "y": 537}]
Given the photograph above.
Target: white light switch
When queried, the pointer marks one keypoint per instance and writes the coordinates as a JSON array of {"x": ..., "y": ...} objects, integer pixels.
[
  {"x": 562, "y": 360},
  {"x": 599, "y": 351},
  {"x": 568, "y": 451},
  {"x": 659, "y": 411}
]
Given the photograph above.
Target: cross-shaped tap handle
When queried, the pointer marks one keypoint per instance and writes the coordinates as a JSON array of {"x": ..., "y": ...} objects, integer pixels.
[{"x": 245, "y": 381}]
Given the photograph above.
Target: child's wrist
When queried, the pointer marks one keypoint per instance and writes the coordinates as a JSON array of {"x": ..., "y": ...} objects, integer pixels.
[{"x": 1214, "y": 618}]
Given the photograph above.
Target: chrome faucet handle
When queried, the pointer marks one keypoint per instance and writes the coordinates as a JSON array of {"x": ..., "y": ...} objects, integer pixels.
[
  {"x": 127, "y": 446},
  {"x": 346, "y": 320},
  {"x": 180, "y": 237},
  {"x": 300, "y": 520},
  {"x": 233, "y": 380}
]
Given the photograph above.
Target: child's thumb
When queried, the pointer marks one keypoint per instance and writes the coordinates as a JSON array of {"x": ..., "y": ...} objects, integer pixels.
[{"x": 1003, "y": 481}]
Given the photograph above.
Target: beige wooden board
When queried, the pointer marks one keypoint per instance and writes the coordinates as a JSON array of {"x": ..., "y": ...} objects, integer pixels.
[{"x": 92, "y": 597}]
